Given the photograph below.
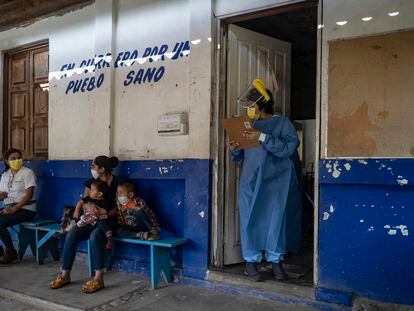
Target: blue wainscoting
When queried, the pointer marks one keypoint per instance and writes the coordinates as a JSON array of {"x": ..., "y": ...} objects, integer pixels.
[
  {"x": 179, "y": 192},
  {"x": 366, "y": 228}
]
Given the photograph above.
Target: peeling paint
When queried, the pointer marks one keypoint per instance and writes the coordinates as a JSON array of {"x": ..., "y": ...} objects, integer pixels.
[
  {"x": 331, "y": 209},
  {"x": 179, "y": 203},
  {"x": 370, "y": 229},
  {"x": 361, "y": 220},
  {"x": 337, "y": 171},
  {"x": 347, "y": 166},
  {"x": 404, "y": 229},
  {"x": 329, "y": 167},
  {"x": 325, "y": 216},
  {"x": 201, "y": 214},
  {"x": 163, "y": 170},
  {"x": 363, "y": 162},
  {"x": 402, "y": 181},
  {"x": 392, "y": 230}
]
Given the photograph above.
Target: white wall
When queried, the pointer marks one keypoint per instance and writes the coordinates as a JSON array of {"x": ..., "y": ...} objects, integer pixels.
[
  {"x": 119, "y": 119},
  {"x": 137, "y": 108}
]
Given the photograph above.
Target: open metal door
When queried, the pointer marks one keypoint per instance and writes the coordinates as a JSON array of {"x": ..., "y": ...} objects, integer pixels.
[{"x": 250, "y": 55}]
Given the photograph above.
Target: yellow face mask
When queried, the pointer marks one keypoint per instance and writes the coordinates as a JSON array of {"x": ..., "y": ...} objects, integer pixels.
[
  {"x": 16, "y": 164},
  {"x": 251, "y": 113}
]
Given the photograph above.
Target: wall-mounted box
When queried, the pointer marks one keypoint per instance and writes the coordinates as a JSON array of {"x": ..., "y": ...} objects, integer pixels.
[{"x": 173, "y": 124}]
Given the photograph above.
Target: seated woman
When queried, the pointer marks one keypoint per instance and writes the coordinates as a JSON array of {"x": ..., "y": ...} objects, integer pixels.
[
  {"x": 101, "y": 169},
  {"x": 17, "y": 186}
]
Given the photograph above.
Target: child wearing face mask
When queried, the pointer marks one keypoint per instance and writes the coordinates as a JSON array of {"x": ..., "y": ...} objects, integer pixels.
[
  {"x": 135, "y": 217},
  {"x": 93, "y": 210}
]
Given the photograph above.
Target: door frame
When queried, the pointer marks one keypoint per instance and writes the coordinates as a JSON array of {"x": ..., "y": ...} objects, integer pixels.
[{"x": 218, "y": 96}]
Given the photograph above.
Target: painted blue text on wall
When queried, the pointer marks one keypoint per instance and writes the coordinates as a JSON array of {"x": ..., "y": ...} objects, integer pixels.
[{"x": 123, "y": 59}]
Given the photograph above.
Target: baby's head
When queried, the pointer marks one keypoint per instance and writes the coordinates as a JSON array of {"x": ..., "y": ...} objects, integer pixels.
[
  {"x": 125, "y": 192},
  {"x": 99, "y": 188}
]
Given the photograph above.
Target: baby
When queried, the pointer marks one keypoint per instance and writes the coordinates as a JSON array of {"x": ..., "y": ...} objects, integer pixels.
[{"x": 93, "y": 209}]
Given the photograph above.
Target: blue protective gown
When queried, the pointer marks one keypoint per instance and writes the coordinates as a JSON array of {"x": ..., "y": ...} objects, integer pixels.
[{"x": 269, "y": 197}]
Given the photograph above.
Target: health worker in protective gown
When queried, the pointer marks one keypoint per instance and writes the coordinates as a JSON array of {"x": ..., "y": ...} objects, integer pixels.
[{"x": 270, "y": 200}]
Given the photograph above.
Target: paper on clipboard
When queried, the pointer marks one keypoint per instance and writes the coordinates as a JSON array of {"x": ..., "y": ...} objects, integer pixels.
[{"x": 235, "y": 126}]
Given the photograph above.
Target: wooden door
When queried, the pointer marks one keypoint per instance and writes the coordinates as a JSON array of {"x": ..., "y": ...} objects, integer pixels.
[
  {"x": 26, "y": 101},
  {"x": 250, "y": 55}
]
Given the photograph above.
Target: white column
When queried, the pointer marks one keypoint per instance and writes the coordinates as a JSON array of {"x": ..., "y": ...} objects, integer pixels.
[
  {"x": 200, "y": 78},
  {"x": 104, "y": 44}
]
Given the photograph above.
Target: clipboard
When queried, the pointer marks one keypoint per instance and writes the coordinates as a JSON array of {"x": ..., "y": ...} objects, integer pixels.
[{"x": 234, "y": 128}]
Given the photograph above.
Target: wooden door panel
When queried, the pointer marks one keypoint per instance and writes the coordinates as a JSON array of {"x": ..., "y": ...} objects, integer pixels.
[
  {"x": 19, "y": 136},
  {"x": 18, "y": 70},
  {"x": 40, "y": 102},
  {"x": 40, "y": 65},
  {"x": 18, "y": 106},
  {"x": 40, "y": 139}
]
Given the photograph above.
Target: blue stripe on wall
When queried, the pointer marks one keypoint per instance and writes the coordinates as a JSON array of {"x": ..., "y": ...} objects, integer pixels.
[
  {"x": 366, "y": 228},
  {"x": 179, "y": 191}
]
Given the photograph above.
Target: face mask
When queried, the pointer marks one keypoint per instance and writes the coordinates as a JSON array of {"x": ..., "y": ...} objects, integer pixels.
[
  {"x": 251, "y": 113},
  {"x": 123, "y": 200},
  {"x": 94, "y": 174},
  {"x": 16, "y": 164}
]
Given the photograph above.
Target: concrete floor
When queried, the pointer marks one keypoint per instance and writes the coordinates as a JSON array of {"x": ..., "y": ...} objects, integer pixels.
[
  {"x": 188, "y": 298},
  {"x": 7, "y": 304},
  {"x": 24, "y": 286},
  {"x": 31, "y": 281},
  {"x": 173, "y": 298}
]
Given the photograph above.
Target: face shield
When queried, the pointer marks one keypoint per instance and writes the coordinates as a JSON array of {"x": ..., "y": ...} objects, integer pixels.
[
  {"x": 245, "y": 99},
  {"x": 251, "y": 95}
]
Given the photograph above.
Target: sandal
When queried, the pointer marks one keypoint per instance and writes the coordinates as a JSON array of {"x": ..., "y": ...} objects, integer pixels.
[
  {"x": 59, "y": 282},
  {"x": 92, "y": 286}
]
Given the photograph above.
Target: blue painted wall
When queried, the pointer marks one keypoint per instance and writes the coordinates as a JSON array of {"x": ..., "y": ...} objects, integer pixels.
[
  {"x": 177, "y": 190},
  {"x": 366, "y": 228}
]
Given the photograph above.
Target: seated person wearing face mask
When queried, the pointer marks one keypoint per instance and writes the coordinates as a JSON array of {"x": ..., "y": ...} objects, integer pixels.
[
  {"x": 16, "y": 191},
  {"x": 102, "y": 169},
  {"x": 136, "y": 219}
]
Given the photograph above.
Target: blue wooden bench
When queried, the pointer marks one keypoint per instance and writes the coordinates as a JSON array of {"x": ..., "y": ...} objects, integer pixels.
[
  {"x": 43, "y": 241},
  {"x": 160, "y": 257},
  {"x": 28, "y": 235}
]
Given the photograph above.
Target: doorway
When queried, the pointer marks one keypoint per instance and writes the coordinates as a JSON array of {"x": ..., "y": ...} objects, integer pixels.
[
  {"x": 26, "y": 100},
  {"x": 284, "y": 45}
]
